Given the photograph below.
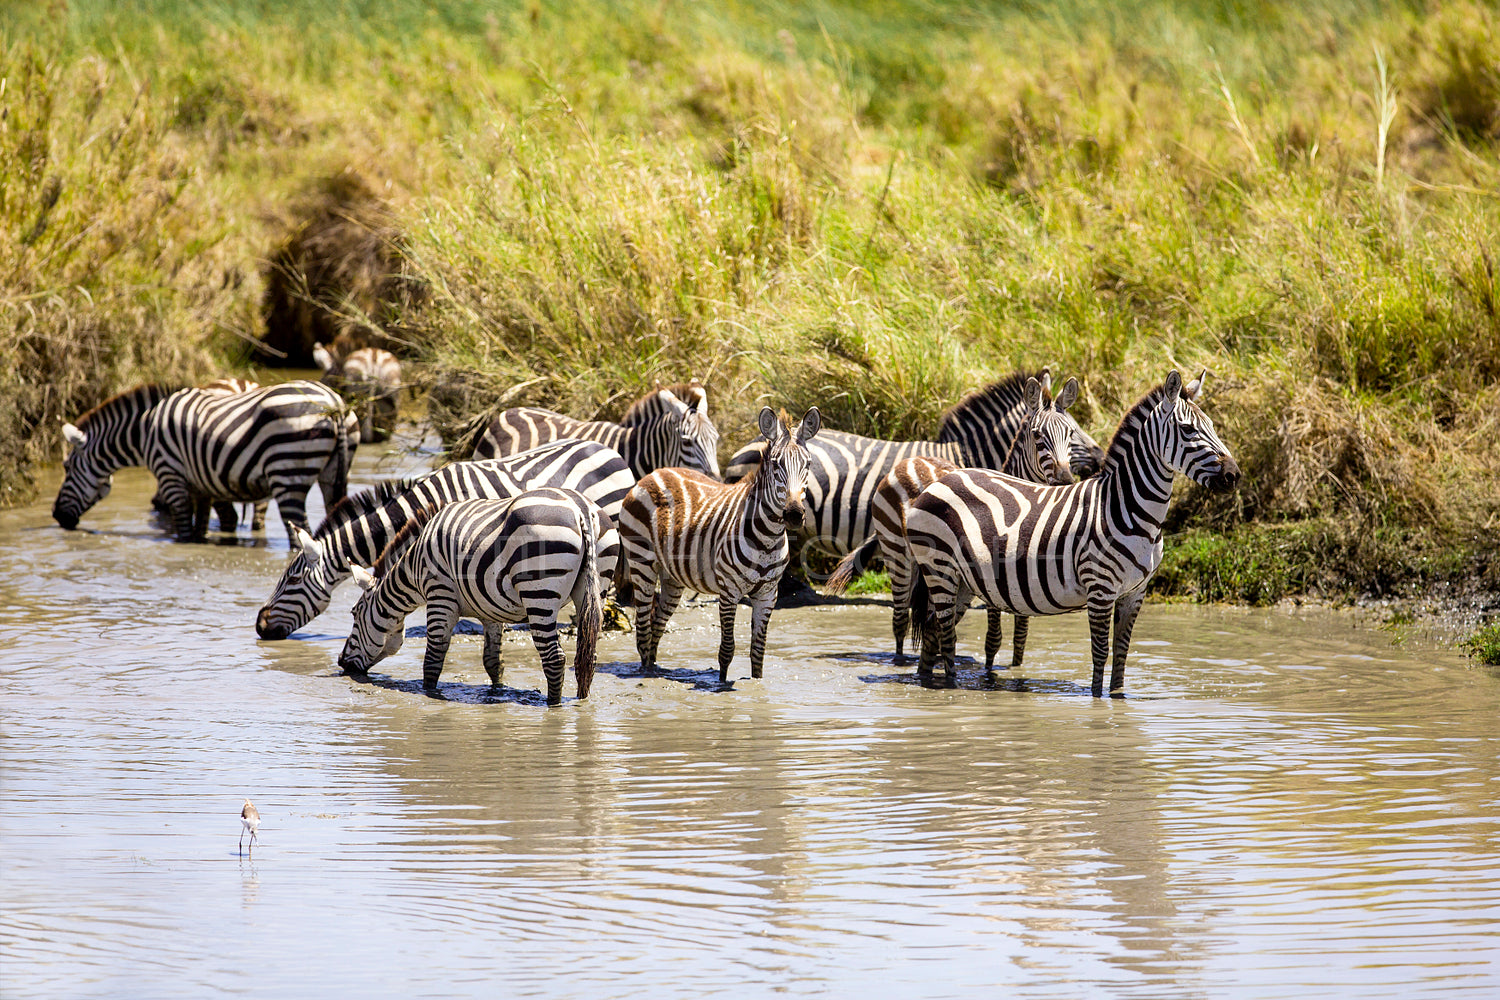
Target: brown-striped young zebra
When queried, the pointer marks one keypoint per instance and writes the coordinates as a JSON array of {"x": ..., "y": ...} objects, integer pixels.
[
  {"x": 500, "y": 561},
  {"x": 370, "y": 379},
  {"x": 845, "y": 470},
  {"x": 204, "y": 446},
  {"x": 667, "y": 432},
  {"x": 1038, "y": 455},
  {"x": 683, "y": 530},
  {"x": 1046, "y": 550},
  {"x": 357, "y": 529}
]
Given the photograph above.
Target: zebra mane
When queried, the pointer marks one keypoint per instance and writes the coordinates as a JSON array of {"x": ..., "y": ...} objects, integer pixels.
[
  {"x": 1125, "y": 433},
  {"x": 150, "y": 393},
  {"x": 403, "y": 538},
  {"x": 1003, "y": 393},
  {"x": 356, "y": 505},
  {"x": 649, "y": 405}
]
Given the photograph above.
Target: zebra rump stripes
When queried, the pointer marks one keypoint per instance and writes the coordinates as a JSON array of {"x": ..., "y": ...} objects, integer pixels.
[
  {"x": 1038, "y": 550},
  {"x": 668, "y": 432},
  {"x": 357, "y": 530},
  {"x": 205, "y": 445},
  {"x": 499, "y": 561},
  {"x": 683, "y": 530}
]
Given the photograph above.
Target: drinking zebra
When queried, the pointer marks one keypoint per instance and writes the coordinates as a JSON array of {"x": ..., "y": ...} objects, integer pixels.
[
  {"x": 229, "y": 517},
  {"x": 683, "y": 530},
  {"x": 204, "y": 445},
  {"x": 370, "y": 379},
  {"x": 359, "y": 528},
  {"x": 1039, "y": 550},
  {"x": 1038, "y": 454},
  {"x": 499, "y": 561},
  {"x": 845, "y": 470},
  {"x": 666, "y": 431}
]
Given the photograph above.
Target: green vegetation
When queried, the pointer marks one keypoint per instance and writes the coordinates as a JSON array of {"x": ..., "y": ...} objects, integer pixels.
[
  {"x": 1484, "y": 645},
  {"x": 870, "y": 582},
  {"x": 874, "y": 206}
]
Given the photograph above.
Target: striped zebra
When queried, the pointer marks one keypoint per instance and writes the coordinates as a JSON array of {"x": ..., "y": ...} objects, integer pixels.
[
  {"x": 1034, "y": 457},
  {"x": 359, "y": 528},
  {"x": 683, "y": 530},
  {"x": 205, "y": 445},
  {"x": 666, "y": 432},
  {"x": 1045, "y": 550},
  {"x": 229, "y": 516},
  {"x": 845, "y": 470},
  {"x": 499, "y": 561},
  {"x": 370, "y": 379}
]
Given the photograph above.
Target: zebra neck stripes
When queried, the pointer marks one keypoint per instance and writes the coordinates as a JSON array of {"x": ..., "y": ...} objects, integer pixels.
[{"x": 110, "y": 437}]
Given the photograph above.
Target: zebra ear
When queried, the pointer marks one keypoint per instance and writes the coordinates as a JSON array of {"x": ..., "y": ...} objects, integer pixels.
[
  {"x": 1033, "y": 397},
  {"x": 670, "y": 400},
  {"x": 1067, "y": 397},
  {"x": 321, "y": 357},
  {"x": 1171, "y": 390},
  {"x": 1192, "y": 389},
  {"x": 74, "y": 436},
  {"x": 363, "y": 577},
  {"x": 308, "y": 544},
  {"x": 769, "y": 425},
  {"x": 697, "y": 398},
  {"x": 812, "y": 420}
]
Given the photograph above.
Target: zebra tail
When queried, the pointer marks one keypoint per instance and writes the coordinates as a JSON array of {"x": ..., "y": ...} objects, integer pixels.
[
  {"x": 590, "y": 603},
  {"x": 850, "y": 566},
  {"x": 919, "y": 601},
  {"x": 343, "y": 455}
]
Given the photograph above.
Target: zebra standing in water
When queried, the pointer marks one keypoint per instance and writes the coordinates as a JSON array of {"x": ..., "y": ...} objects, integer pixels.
[
  {"x": 359, "y": 528},
  {"x": 1038, "y": 550},
  {"x": 229, "y": 518},
  {"x": 1038, "y": 455},
  {"x": 845, "y": 470},
  {"x": 500, "y": 561},
  {"x": 205, "y": 445},
  {"x": 685, "y": 531},
  {"x": 667, "y": 432}
]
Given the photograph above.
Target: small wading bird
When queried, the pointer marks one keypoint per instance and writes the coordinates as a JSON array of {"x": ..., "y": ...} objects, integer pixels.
[{"x": 250, "y": 818}]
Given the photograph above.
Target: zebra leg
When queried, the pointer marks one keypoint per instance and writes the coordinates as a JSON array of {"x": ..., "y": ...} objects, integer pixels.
[
  {"x": 441, "y": 617},
  {"x": 201, "y": 507},
  {"x": 994, "y": 635},
  {"x": 662, "y": 608},
  {"x": 902, "y": 573},
  {"x": 544, "y": 638},
  {"x": 494, "y": 653},
  {"x": 1126, "y": 609},
  {"x": 229, "y": 518},
  {"x": 291, "y": 504},
  {"x": 1018, "y": 640},
  {"x": 1100, "y": 609},
  {"x": 258, "y": 515},
  {"x": 727, "y": 608},
  {"x": 760, "y": 623}
]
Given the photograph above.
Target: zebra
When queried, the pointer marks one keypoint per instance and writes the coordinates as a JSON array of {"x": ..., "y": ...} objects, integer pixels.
[
  {"x": 356, "y": 530},
  {"x": 1033, "y": 457},
  {"x": 667, "y": 432},
  {"x": 845, "y": 470},
  {"x": 1045, "y": 550},
  {"x": 206, "y": 445},
  {"x": 500, "y": 561},
  {"x": 370, "y": 379},
  {"x": 684, "y": 530},
  {"x": 229, "y": 517}
]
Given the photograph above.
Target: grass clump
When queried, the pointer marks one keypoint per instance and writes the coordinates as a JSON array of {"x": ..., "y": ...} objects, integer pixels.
[{"x": 1484, "y": 645}]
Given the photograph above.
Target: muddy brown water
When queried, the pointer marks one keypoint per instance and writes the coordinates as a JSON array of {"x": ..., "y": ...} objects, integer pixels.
[{"x": 1287, "y": 805}]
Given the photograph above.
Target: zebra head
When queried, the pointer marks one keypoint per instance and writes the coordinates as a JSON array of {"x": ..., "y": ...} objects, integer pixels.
[
  {"x": 86, "y": 478},
  {"x": 376, "y": 634},
  {"x": 696, "y": 438},
  {"x": 1051, "y": 429},
  {"x": 783, "y": 471},
  {"x": 303, "y": 592},
  {"x": 1186, "y": 438}
]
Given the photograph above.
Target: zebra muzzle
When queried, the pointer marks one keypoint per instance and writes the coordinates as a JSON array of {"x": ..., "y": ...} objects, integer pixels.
[
  {"x": 1227, "y": 478},
  {"x": 267, "y": 629}
]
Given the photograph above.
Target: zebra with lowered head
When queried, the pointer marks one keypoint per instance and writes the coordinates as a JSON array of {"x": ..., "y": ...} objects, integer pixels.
[
  {"x": 664, "y": 432},
  {"x": 205, "y": 445},
  {"x": 499, "y": 561},
  {"x": 1038, "y": 455},
  {"x": 359, "y": 528},
  {"x": 1039, "y": 550},
  {"x": 845, "y": 470},
  {"x": 682, "y": 530}
]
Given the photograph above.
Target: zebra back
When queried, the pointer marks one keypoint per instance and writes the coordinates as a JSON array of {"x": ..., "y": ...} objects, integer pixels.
[
  {"x": 984, "y": 424},
  {"x": 403, "y": 539},
  {"x": 109, "y": 437}
]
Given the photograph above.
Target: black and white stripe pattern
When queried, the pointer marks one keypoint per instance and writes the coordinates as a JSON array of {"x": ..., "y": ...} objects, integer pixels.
[
  {"x": 665, "y": 432},
  {"x": 683, "y": 530},
  {"x": 206, "y": 445},
  {"x": 499, "y": 561},
  {"x": 1037, "y": 455},
  {"x": 845, "y": 470},
  {"x": 370, "y": 379},
  {"x": 1046, "y": 550},
  {"x": 357, "y": 530}
]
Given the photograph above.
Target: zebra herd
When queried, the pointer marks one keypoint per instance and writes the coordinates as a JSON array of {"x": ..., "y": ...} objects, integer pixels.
[{"x": 551, "y": 510}]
